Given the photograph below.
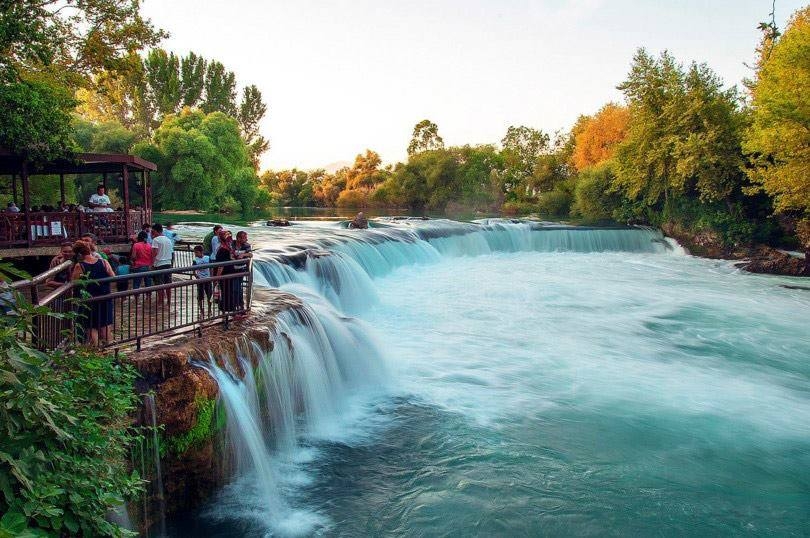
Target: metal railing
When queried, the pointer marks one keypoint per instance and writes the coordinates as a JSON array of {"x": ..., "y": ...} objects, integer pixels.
[{"x": 180, "y": 304}]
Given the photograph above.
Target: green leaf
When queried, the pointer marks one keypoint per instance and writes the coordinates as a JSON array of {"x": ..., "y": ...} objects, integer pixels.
[{"x": 13, "y": 522}]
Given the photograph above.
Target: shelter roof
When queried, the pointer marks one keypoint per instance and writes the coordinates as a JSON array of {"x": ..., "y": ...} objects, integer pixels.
[{"x": 82, "y": 163}]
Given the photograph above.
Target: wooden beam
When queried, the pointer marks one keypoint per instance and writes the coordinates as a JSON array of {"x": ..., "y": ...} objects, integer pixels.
[
  {"x": 127, "y": 219},
  {"x": 27, "y": 202},
  {"x": 14, "y": 188},
  {"x": 62, "y": 186}
]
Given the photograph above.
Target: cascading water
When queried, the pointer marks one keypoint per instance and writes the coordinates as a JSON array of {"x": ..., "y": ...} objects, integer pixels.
[
  {"x": 541, "y": 379},
  {"x": 157, "y": 492}
]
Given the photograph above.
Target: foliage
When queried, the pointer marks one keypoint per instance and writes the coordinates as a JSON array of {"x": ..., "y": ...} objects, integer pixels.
[
  {"x": 684, "y": 133},
  {"x": 36, "y": 119},
  {"x": 65, "y": 437},
  {"x": 553, "y": 204},
  {"x": 521, "y": 147},
  {"x": 209, "y": 421},
  {"x": 596, "y": 137},
  {"x": 594, "y": 197},
  {"x": 425, "y": 138},
  {"x": 201, "y": 159},
  {"x": 70, "y": 40},
  {"x": 779, "y": 136},
  {"x": 292, "y": 187}
]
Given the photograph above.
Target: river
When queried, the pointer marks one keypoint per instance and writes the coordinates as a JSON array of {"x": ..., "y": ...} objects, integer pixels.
[{"x": 533, "y": 382}]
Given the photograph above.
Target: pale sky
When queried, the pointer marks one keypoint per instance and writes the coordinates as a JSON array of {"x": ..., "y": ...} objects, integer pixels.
[{"x": 346, "y": 75}]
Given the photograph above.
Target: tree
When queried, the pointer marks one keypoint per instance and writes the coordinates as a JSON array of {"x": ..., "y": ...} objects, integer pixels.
[
  {"x": 192, "y": 78},
  {"x": 251, "y": 111},
  {"x": 521, "y": 147},
  {"x": 36, "y": 119},
  {"x": 778, "y": 139},
  {"x": 162, "y": 71},
  {"x": 594, "y": 196},
  {"x": 596, "y": 137},
  {"x": 202, "y": 159},
  {"x": 683, "y": 137},
  {"x": 220, "y": 90},
  {"x": 366, "y": 172},
  {"x": 425, "y": 138}
]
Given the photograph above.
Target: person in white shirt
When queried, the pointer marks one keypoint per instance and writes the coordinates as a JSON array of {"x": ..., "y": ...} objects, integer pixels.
[
  {"x": 206, "y": 289},
  {"x": 12, "y": 208},
  {"x": 100, "y": 202},
  {"x": 161, "y": 259}
]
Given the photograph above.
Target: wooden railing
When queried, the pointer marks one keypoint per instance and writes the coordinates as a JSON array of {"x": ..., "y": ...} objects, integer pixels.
[
  {"x": 139, "y": 314},
  {"x": 53, "y": 227}
]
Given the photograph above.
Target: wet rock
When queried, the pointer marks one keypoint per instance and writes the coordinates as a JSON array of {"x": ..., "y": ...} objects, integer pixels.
[{"x": 763, "y": 259}]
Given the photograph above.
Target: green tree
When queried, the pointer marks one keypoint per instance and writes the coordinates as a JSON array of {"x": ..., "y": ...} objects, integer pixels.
[
  {"x": 201, "y": 159},
  {"x": 595, "y": 199},
  {"x": 36, "y": 119},
  {"x": 192, "y": 78},
  {"x": 683, "y": 137},
  {"x": 425, "y": 138},
  {"x": 220, "y": 90},
  {"x": 251, "y": 111},
  {"x": 521, "y": 147},
  {"x": 778, "y": 139},
  {"x": 162, "y": 72}
]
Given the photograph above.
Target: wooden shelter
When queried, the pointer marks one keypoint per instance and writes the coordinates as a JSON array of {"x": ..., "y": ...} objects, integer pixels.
[{"x": 28, "y": 229}]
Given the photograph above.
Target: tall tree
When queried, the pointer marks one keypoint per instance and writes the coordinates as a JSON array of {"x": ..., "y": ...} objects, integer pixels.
[
  {"x": 162, "y": 71},
  {"x": 251, "y": 111},
  {"x": 220, "y": 90},
  {"x": 779, "y": 136},
  {"x": 192, "y": 78},
  {"x": 684, "y": 133},
  {"x": 425, "y": 138}
]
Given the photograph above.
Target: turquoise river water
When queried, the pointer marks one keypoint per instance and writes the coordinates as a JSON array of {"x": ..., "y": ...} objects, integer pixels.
[{"x": 540, "y": 386}]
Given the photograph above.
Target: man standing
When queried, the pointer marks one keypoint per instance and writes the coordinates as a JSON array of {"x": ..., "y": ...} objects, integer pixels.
[
  {"x": 65, "y": 254},
  {"x": 100, "y": 202},
  {"x": 216, "y": 241},
  {"x": 161, "y": 259},
  {"x": 208, "y": 240}
]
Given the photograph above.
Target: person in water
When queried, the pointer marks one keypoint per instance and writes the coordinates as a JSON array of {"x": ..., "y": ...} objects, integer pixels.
[{"x": 360, "y": 222}]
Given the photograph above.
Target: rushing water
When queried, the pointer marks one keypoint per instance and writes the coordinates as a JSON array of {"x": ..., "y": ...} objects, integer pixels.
[{"x": 532, "y": 381}]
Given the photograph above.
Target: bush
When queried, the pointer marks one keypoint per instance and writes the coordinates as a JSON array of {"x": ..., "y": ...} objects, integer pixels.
[
  {"x": 352, "y": 198},
  {"x": 66, "y": 438},
  {"x": 554, "y": 204},
  {"x": 594, "y": 198}
]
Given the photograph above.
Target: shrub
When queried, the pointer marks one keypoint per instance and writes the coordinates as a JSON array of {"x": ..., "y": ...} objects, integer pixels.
[
  {"x": 554, "y": 204},
  {"x": 594, "y": 198},
  {"x": 65, "y": 437}
]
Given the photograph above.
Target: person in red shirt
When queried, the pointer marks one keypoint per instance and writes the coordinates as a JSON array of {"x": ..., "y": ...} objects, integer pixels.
[{"x": 141, "y": 257}]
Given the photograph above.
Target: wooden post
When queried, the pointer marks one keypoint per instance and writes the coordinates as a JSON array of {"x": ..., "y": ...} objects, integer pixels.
[
  {"x": 147, "y": 196},
  {"x": 14, "y": 188},
  {"x": 125, "y": 179},
  {"x": 27, "y": 202},
  {"x": 62, "y": 186}
]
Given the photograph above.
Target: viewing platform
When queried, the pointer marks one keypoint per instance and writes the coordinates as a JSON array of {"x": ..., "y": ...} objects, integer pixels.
[{"x": 29, "y": 232}]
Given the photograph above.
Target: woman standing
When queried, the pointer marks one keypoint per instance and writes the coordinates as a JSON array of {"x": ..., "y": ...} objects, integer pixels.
[
  {"x": 141, "y": 257},
  {"x": 228, "y": 287},
  {"x": 97, "y": 316}
]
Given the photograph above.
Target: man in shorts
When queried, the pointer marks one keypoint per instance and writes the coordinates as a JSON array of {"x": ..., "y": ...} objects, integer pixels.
[
  {"x": 162, "y": 252},
  {"x": 206, "y": 289}
]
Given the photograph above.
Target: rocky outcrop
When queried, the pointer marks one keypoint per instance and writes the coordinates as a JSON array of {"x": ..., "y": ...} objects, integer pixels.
[
  {"x": 755, "y": 259},
  {"x": 762, "y": 259},
  {"x": 185, "y": 396}
]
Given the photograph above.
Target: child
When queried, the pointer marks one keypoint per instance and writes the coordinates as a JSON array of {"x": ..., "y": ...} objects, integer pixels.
[{"x": 206, "y": 289}]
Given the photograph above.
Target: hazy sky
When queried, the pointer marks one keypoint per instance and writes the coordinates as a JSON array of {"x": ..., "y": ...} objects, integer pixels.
[{"x": 346, "y": 75}]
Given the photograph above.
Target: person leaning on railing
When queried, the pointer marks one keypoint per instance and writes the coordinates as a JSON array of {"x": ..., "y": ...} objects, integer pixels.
[
  {"x": 95, "y": 317},
  {"x": 231, "y": 287}
]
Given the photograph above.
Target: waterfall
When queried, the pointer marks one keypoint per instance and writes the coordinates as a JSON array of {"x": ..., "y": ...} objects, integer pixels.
[
  {"x": 282, "y": 400},
  {"x": 278, "y": 399},
  {"x": 154, "y": 446},
  {"x": 340, "y": 264}
]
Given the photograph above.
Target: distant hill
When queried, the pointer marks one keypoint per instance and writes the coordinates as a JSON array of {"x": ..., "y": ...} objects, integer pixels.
[{"x": 335, "y": 166}]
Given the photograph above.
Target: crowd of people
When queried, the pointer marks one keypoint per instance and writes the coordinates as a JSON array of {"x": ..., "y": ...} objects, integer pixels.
[
  {"x": 99, "y": 202},
  {"x": 148, "y": 263}
]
